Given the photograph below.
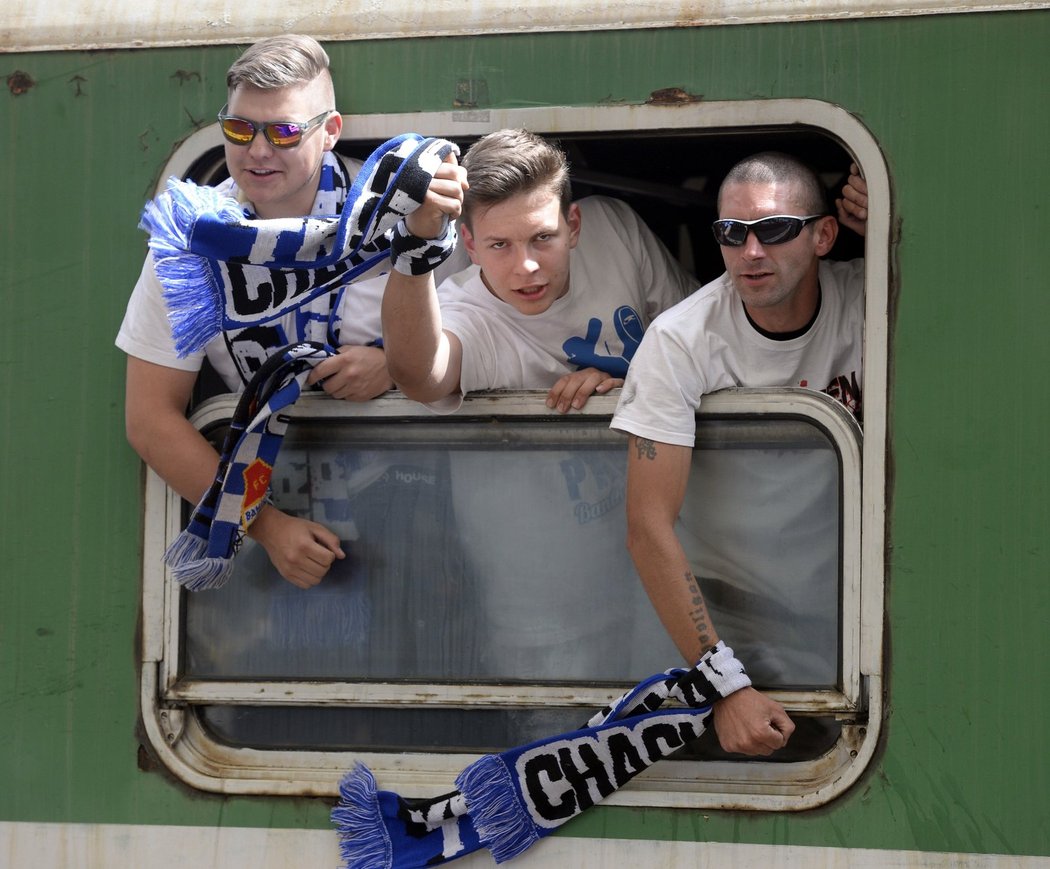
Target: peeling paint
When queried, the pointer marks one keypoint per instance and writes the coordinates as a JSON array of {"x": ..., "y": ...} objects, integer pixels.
[
  {"x": 471, "y": 93},
  {"x": 673, "y": 96},
  {"x": 19, "y": 82}
]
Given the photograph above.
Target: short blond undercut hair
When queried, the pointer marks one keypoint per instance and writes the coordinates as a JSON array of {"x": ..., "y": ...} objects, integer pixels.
[{"x": 280, "y": 62}]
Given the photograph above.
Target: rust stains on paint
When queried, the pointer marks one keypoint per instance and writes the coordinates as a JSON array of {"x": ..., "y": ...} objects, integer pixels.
[
  {"x": 19, "y": 82},
  {"x": 672, "y": 97}
]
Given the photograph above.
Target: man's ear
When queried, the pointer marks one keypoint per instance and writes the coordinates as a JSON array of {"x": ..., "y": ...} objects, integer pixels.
[
  {"x": 827, "y": 230},
  {"x": 332, "y": 128},
  {"x": 575, "y": 221},
  {"x": 468, "y": 242}
]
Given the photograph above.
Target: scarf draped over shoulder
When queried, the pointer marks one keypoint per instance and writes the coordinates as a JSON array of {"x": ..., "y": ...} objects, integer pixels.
[{"x": 223, "y": 270}]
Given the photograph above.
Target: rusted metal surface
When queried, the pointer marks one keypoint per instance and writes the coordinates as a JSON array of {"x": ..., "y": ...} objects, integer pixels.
[
  {"x": 19, "y": 82},
  {"x": 32, "y": 26},
  {"x": 673, "y": 96}
]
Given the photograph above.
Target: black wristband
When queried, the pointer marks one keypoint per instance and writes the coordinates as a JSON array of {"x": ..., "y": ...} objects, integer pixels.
[{"x": 412, "y": 255}]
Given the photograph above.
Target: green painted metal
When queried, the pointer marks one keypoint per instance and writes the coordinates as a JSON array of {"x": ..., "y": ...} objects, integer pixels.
[{"x": 959, "y": 104}]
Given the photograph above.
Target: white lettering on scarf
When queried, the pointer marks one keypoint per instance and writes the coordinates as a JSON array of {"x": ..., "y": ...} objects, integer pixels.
[
  {"x": 314, "y": 233},
  {"x": 562, "y": 778},
  {"x": 265, "y": 243}
]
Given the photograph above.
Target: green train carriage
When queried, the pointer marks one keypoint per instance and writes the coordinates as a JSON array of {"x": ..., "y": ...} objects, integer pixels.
[{"x": 130, "y": 739}]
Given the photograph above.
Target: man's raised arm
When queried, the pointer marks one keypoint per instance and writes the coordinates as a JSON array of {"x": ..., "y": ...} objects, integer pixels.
[{"x": 423, "y": 360}]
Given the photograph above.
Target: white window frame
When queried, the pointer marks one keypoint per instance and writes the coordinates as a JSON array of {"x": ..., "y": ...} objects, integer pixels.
[{"x": 201, "y": 762}]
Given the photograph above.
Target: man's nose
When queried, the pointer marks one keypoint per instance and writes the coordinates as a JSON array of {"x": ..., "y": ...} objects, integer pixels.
[
  {"x": 259, "y": 146},
  {"x": 753, "y": 248},
  {"x": 527, "y": 263}
]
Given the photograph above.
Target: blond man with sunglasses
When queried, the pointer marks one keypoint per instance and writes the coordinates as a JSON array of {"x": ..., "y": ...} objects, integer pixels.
[
  {"x": 280, "y": 126},
  {"x": 778, "y": 316}
]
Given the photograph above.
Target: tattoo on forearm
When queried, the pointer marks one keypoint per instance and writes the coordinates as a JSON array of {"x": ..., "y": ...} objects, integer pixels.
[
  {"x": 698, "y": 612},
  {"x": 646, "y": 448}
]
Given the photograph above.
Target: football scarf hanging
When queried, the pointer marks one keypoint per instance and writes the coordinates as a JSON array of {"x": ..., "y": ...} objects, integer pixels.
[
  {"x": 202, "y": 555},
  {"x": 317, "y": 320},
  {"x": 221, "y": 270},
  {"x": 507, "y": 802}
]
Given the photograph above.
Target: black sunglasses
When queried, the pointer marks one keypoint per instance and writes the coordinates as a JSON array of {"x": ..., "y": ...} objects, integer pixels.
[
  {"x": 280, "y": 134},
  {"x": 776, "y": 229}
]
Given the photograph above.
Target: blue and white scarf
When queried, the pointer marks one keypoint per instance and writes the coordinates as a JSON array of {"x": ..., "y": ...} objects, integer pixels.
[
  {"x": 317, "y": 320},
  {"x": 202, "y": 555},
  {"x": 507, "y": 802},
  {"x": 222, "y": 270}
]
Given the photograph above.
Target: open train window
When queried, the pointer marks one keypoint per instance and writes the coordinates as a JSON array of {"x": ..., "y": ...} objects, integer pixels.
[{"x": 488, "y": 599}]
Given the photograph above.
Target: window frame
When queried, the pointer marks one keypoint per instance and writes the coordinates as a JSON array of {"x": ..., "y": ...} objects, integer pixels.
[{"x": 200, "y": 761}]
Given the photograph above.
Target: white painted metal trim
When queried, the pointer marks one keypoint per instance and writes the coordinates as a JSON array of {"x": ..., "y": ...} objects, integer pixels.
[
  {"x": 50, "y": 846},
  {"x": 448, "y": 696},
  {"x": 32, "y": 26}
]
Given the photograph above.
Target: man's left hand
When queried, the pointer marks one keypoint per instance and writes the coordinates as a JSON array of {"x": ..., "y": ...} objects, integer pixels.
[
  {"x": 355, "y": 374},
  {"x": 573, "y": 390}
]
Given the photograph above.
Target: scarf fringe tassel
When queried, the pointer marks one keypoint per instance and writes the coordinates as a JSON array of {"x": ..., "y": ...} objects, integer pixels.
[
  {"x": 503, "y": 825},
  {"x": 193, "y": 297},
  {"x": 363, "y": 839},
  {"x": 192, "y": 567}
]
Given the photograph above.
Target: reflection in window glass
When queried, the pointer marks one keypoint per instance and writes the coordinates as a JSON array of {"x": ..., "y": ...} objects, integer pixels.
[
  {"x": 478, "y": 553},
  {"x": 760, "y": 525},
  {"x": 493, "y": 551}
]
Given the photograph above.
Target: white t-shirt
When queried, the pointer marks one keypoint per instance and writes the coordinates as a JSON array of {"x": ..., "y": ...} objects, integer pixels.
[
  {"x": 760, "y": 525},
  {"x": 620, "y": 278},
  {"x": 706, "y": 343}
]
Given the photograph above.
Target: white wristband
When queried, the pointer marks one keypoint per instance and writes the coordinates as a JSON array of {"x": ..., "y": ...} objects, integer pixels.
[{"x": 716, "y": 675}]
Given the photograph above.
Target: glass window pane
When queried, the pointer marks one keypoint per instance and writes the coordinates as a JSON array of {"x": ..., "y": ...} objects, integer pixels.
[
  {"x": 477, "y": 552},
  {"x": 494, "y": 551},
  {"x": 760, "y": 525}
]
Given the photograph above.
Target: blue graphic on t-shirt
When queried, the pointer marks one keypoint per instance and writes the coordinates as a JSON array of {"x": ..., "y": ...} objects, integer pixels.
[
  {"x": 594, "y": 487},
  {"x": 583, "y": 352}
]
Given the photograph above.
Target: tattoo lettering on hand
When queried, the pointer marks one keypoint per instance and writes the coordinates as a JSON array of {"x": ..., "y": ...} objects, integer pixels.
[
  {"x": 646, "y": 448},
  {"x": 698, "y": 612}
]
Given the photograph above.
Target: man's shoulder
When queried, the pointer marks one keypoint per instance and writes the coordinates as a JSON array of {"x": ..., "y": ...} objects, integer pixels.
[
  {"x": 614, "y": 241},
  {"x": 463, "y": 286},
  {"x": 351, "y": 165},
  {"x": 466, "y": 304},
  {"x": 607, "y": 208},
  {"x": 699, "y": 307},
  {"x": 845, "y": 275}
]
